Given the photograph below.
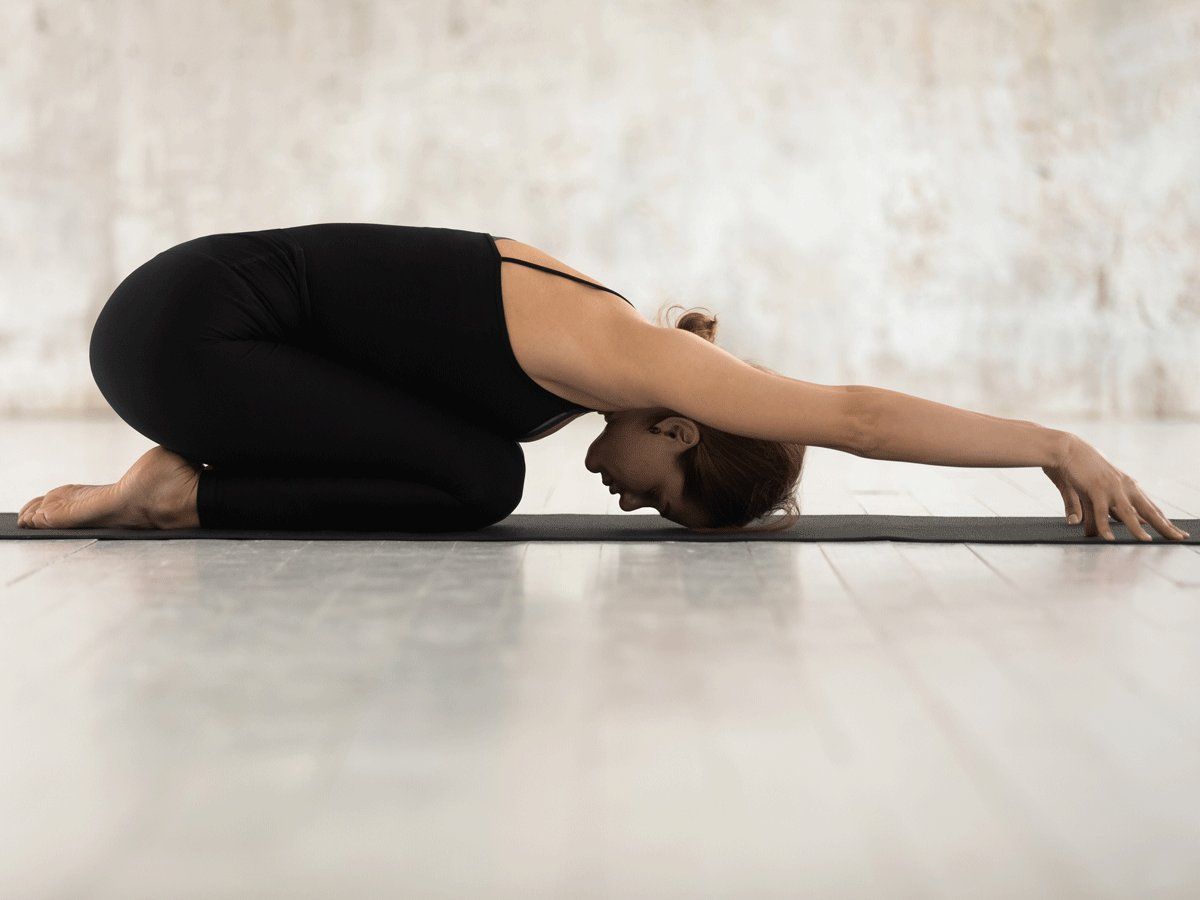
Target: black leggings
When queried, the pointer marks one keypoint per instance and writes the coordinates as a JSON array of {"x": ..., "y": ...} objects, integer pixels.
[{"x": 215, "y": 361}]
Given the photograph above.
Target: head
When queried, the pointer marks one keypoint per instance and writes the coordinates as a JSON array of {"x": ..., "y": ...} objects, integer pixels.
[{"x": 691, "y": 473}]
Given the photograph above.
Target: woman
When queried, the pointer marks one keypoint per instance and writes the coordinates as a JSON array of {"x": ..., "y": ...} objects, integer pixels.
[{"x": 382, "y": 377}]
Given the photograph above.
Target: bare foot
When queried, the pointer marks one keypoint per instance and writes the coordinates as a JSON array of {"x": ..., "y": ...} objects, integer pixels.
[{"x": 158, "y": 491}]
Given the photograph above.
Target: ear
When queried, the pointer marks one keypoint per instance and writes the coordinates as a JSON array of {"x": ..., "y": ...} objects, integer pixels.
[{"x": 678, "y": 428}]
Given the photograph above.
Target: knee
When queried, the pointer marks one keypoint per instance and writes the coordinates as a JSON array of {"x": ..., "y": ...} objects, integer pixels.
[
  {"x": 101, "y": 356},
  {"x": 500, "y": 486}
]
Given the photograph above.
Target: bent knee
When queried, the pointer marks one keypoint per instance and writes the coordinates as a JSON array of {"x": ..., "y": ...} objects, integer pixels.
[{"x": 500, "y": 486}]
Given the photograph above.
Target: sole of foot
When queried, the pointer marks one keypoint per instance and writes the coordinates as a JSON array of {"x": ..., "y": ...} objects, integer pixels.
[{"x": 158, "y": 491}]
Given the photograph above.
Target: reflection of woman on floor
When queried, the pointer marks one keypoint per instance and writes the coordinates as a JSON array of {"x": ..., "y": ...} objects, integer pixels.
[{"x": 382, "y": 377}]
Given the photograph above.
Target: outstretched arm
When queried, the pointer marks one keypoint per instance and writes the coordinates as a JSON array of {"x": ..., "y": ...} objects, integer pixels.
[
  {"x": 641, "y": 365},
  {"x": 901, "y": 427}
]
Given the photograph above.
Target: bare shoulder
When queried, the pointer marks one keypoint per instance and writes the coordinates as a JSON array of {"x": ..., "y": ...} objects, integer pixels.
[
  {"x": 561, "y": 330},
  {"x": 529, "y": 253},
  {"x": 595, "y": 349},
  {"x": 587, "y": 305}
]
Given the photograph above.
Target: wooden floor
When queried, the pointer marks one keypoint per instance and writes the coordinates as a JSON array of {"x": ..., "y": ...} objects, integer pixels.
[{"x": 317, "y": 719}]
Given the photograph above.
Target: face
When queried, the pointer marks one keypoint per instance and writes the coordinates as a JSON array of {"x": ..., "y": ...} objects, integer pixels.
[{"x": 637, "y": 455}]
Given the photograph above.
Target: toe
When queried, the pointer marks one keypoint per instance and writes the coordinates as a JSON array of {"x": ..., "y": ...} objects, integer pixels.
[
  {"x": 49, "y": 513},
  {"x": 27, "y": 509},
  {"x": 37, "y": 517}
]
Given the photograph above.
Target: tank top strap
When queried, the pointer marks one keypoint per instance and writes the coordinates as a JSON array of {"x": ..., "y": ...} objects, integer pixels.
[{"x": 533, "y": 265}]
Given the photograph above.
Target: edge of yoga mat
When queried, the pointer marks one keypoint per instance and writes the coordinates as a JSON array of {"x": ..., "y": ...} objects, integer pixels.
[{"x": 634, "y": 527}]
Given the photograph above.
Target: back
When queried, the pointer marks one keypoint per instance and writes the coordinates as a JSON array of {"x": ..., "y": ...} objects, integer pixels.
[{"x": 436, "y": 292}]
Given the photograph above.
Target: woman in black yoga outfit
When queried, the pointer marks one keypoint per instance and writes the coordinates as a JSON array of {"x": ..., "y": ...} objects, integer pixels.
[{"x": 381, "y": 377}]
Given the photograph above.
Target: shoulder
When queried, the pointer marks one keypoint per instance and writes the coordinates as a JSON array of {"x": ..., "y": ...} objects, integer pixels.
[
  {"x": 520, "y": 250},
  {"x": 562, "y": 297},
  {"x": 563, "y": 332}
]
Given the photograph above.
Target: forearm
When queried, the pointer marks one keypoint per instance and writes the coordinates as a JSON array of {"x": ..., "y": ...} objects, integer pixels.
[{"x": 898, "y": 426}]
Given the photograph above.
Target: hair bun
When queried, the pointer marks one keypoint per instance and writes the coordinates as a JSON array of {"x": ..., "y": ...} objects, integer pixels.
[{"x": 696, "y": 322}]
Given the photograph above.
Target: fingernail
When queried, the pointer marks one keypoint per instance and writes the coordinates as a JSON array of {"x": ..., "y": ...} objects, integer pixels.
[{"x": 1072, "y": 519}]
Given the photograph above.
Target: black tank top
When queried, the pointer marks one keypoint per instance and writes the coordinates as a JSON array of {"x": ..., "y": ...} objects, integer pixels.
[{"x": 423, "y": 307}]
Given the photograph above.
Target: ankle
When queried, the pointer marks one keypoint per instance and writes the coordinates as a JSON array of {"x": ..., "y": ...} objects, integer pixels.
[{"x": 177, "y": 507}]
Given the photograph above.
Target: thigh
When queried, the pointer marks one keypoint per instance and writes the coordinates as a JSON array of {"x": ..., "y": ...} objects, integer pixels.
[
  {"x": 146, "y": 339},
  {"x": 267, "y": 406}
]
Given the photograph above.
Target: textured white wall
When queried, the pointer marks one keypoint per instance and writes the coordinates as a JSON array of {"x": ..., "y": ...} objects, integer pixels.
[{"x": 991, "y": 204}]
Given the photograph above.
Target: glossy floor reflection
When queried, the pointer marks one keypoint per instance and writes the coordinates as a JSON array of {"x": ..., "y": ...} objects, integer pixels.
[{"x": 314, "y": 719}]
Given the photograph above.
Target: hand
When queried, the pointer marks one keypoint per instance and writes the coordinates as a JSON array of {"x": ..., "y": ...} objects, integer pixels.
[{"x": 1091, "y": 487}]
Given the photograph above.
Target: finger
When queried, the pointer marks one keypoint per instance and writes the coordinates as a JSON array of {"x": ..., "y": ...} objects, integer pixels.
[
  {"x": 1100, "y": 514},
  {"x": 1089, "y": 520},
  {"x": 1065, "y": 490},
  {"x": 1179, "y": 531},
  {"x": 1175, "y": 531},
  {"x": 1074, "y": 507},
  {"x": 1161, "y": 523},
  {"x": 1127, "y": 514}
]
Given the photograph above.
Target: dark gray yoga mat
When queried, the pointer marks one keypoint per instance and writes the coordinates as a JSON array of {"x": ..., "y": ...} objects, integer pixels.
[{"x": 586, "y": 527}]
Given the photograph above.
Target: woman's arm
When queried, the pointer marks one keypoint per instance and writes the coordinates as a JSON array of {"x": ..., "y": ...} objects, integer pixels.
[
  {"x": 901, "y": 427},
  {"x": 637, "y": 365}
]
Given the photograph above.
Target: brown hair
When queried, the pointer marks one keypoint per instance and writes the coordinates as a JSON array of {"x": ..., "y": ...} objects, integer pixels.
[{"x": 733, "y": 478}]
